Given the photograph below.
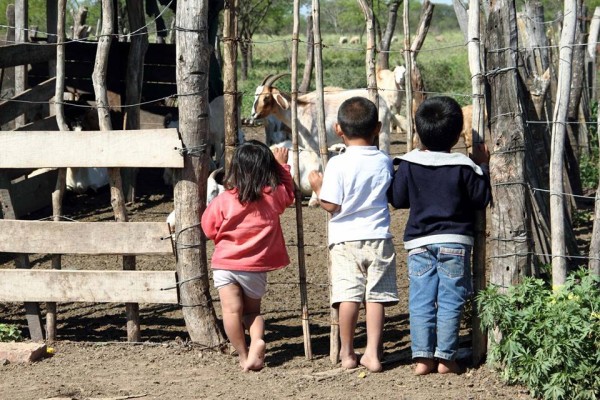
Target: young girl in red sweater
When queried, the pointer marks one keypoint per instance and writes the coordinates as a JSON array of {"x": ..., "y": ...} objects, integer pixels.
[{"x": 244, "y": 223}]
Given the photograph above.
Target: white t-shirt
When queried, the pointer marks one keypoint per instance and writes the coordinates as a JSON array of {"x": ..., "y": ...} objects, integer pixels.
[{"x": 358, "y": 180}]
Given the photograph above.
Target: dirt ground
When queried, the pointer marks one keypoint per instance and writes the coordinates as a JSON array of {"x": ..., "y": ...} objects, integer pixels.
[{"x": 93, "y": 360}]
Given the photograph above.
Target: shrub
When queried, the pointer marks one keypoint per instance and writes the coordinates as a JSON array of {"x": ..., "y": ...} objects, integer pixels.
[
  {"x": 549, "y": 340},
  {"x": 9, "y": 333}
]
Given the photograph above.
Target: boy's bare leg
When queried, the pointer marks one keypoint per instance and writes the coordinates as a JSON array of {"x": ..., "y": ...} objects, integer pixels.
[
  {"x": 448, "y": 366},
  {"x": 348, "y": 315},
  {"x": 232, "y": 304},
  {"x": 424, "y": 366},
  {"x": 375, "y": 319},
  {"x": 255, "y": 323}
]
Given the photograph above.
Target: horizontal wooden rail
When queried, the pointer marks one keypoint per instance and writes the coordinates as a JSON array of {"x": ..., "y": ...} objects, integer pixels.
[
  {"x": 88, "y": 286},
  {"x": 44, "y": 149},
  {"x": 94, "y": 238},
  {"x": 17, "y": 105},
  {"x": 25, "y": 53}
]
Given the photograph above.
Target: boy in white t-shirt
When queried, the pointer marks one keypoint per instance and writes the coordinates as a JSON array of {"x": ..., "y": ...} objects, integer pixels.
[{"x": 363, "y": 260}]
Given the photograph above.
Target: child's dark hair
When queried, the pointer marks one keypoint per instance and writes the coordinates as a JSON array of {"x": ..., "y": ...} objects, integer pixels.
[
  {"x": 439, "y": 122},
  {"x": 358, "y": 117},
  {"x": 253, "y": 167}
]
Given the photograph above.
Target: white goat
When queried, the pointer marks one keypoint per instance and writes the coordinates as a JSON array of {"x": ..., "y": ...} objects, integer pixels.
[
  {"x": 354, "y": 40},
  {"x": 391, "y": 87},
  {"x": 269, "y": 100},
  {"x": 309, "y": 161},
  {"x": 343, "y": 39},
  {"x": 79, "y": 180}
]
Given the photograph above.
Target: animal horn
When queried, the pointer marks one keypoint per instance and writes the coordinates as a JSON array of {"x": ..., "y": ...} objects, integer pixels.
[
  {"x": 265, "y": 80},
  {"x": 269, "y": 80}
]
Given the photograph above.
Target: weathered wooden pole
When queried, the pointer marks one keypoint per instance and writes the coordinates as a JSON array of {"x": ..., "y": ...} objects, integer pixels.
[
  {"x": 594, "y": 262},
  {"x": 193, "y": 55},
  {"x": 510, "y": 216},
  {"x": 334, "y": 337},
  {"x": 370, "y": 59},
  {"x": 117, "y": 198},
  {"x": 298, "y": 194},
  {"x": 310, "y": 56},
  {"x": 230, "y": 92},
  {"x": 417, "y": 84},
  {"x": 559, "y": 131},
  {"x": 133, "y": 84},
  {"x": 59, "y": 190},
  {"x": 21, "y": 36},
  {"x": 479, "y": 337},
  {"x": 408, "y": 79}
]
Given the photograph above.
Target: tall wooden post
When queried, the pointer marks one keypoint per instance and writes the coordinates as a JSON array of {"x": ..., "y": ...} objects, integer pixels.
[
  {"x": 21, "y": 36},
  {"x": 117, "y": 198},
  {"x": 334, "y": 338},
  {"x": 59, "y": 190},
  {"x": 193, "y": 55},
  {"x": 370, "y": 60},
  {"x": 408, "y": 79},
  {"x": 510, "y": 221},
  {"x": 592, "y": 51},
  {"x": 479, "y": 339},
  {"x": 559, "y": 131},
  {"x": 231, "y": 114},
  {"x": 298, "y": 193}
]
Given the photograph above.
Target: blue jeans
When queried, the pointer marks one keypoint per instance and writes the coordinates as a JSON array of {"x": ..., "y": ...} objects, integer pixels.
[{"x": 440, "y": 283}]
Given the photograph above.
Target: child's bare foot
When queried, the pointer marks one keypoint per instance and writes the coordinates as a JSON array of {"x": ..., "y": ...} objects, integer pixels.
[
  {"x": 424, "y": 366},
  {"x": 349, "y": 362},
  {"x": 256, "y": 356},
  {"x": 371, "y": 363},
  {"x": 449, "y": 367}
]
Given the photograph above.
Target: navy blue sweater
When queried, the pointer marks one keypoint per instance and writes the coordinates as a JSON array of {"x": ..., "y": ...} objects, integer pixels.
[{"x": 443, "y": 191}]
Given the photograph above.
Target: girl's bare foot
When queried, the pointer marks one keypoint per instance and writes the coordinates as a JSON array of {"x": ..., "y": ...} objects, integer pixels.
[
  {"x": 371, "y": 363},
  {"x": 424, "y": 366},
  {"x": 256, "y": 356},
  {"x": 349, "y": 362},
  {"x": 447, "y": 367}
]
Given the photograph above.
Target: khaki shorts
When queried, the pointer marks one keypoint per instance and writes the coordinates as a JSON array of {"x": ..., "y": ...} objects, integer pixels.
[{"x": 364, "y": 270}]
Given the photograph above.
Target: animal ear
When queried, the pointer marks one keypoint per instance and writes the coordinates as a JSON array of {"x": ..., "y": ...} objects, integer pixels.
[{"x": 281, "y": 101}]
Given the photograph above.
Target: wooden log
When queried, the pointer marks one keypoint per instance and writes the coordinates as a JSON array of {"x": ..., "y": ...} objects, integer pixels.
[
  {"x": 298, "y": 194},
  {"x": 193, "y": 55},
  {"x": 310, "y": 57},
  {"x": 11, "y": 109},
  {"x": 408, "y": 82},
  {"x": 21, "y": 26},
  {"x": 25, "y": 53},
  {"x": 231, "y": 111},
  {"x": 45, "y": 124},
  {"x": 147, "y": 148},
  {"x": 88, "y": 286},
  {"x": 511, "y": 253},
  {"x": 370, "y": 60},
  {"x": 129, "y": 238}
]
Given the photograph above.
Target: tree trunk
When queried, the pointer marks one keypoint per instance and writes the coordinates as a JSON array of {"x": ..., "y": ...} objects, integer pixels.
[
  {"x": 418, "y": 85},
  {"x": 383, "y": 61},
  {"x": 193, "y": 58},
  {"x": 244, "y": 50},
  {"x": 511, "y": 253},
  {"x": 231, "y": 111},
  {"x": 557, "y": 201}
]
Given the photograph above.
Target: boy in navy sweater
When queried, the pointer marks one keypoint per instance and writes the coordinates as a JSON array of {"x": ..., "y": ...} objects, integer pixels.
[{"x": 443, "y": 190}]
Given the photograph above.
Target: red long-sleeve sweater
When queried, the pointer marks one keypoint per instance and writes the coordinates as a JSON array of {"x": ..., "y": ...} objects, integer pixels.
[{"x": 249, "y": 237}]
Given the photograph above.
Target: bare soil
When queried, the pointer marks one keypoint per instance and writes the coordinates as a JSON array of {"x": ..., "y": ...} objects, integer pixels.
[{"x": 93, "y": 360}]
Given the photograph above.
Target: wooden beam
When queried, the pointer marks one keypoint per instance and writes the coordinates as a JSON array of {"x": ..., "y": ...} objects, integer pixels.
[
  {"x": 11, "y": 109},
  {"x": 44, "y": 124},
  {"x": 43, "y": 149},
  {"x": 25, "y": 53},
  {"x": 88, "y": 286},
  {"x": 51, "y": 237},
  {"x": 33, "y": 192}
]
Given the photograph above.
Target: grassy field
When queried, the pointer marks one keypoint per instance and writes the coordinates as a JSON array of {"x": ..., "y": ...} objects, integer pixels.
[{"x": 443, "y": 62}]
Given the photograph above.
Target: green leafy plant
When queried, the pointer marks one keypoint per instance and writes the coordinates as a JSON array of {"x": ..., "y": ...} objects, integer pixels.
[
  {"x": 9, "y": 333},
  {"x": 548, "y": 340}
]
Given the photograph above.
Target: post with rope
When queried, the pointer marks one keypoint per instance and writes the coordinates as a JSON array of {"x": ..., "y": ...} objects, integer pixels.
[
  {"x": 334, "y": 338},
  {"x": 192, "y": 55},
  {"x": 298, "y": 193}
]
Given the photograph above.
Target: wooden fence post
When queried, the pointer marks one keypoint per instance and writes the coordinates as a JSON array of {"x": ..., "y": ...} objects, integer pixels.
[
  {"x": 231, "y": 111},
  {"x": 408, "y": 79}
]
